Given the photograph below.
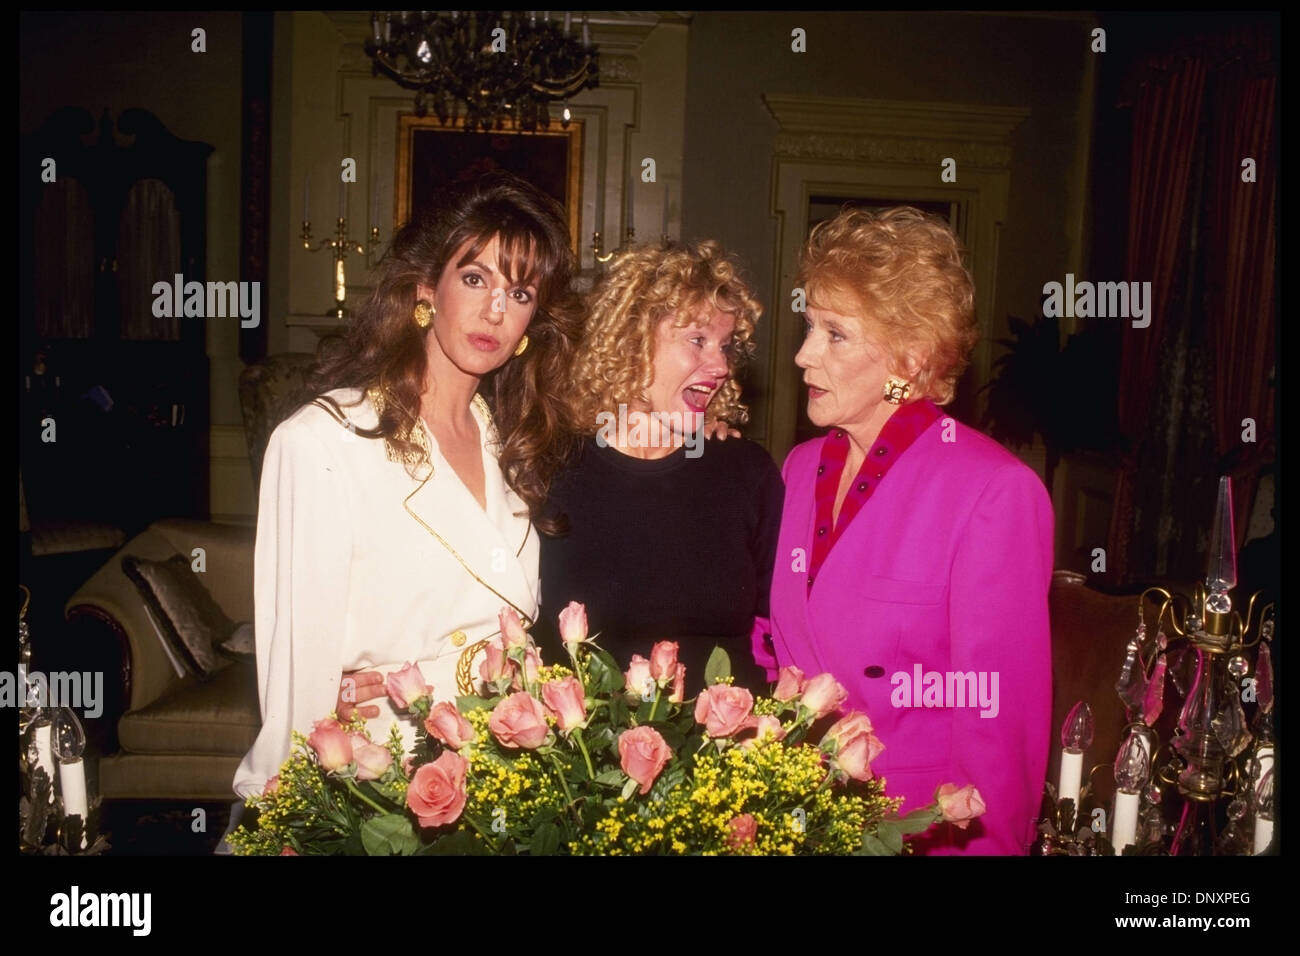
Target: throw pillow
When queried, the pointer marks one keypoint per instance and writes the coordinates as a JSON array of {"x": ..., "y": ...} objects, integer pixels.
[{"x": 191, "y": 621}]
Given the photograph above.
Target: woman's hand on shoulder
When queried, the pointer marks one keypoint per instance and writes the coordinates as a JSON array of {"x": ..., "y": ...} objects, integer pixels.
[
  {"x": 358, "y": 686},
  {"x": 719, "y": 429}
]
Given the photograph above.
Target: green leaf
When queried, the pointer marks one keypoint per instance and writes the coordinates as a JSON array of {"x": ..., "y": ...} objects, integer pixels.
[
  {"x": 873, "y": 847},
  {"x": 888, "y": 833},
  {"x": 459, "y": 843},
  {"x": 546, "y": 840},
  {"x": 610, "y": 777},
  {"x": 718, "y": 665},
  {"x": 606, "y": 678},
  {"x": 470, "y": 702},
  {"x": 389, "y": 835},
  {"x": 918, "y": 821}
]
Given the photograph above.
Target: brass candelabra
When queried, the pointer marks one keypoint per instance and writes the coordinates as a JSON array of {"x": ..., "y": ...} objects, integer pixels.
[{"x": 341, "y": 246}]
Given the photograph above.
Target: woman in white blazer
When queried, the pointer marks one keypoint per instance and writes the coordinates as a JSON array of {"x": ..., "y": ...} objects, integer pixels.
[{"x": 394, "y": 514}]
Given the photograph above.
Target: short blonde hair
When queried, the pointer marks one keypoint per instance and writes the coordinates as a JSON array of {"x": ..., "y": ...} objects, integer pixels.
[
  {"x": 645, "y": 285},
  {"x": 901, "y": 273}
]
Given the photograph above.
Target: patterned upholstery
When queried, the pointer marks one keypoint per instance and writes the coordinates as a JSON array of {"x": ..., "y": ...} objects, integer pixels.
[{"x": 269, "y": 392}]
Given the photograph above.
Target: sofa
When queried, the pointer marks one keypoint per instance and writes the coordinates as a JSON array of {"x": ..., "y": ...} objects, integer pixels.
[{"x": 164, "y": 734}]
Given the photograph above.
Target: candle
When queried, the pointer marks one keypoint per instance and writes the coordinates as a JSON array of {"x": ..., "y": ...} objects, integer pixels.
[
  {"x": 306, "y": 198},
  {"x": 586, "y": 33},
  {"x": 664, "y": 232},
  {"x": 567, "y": 18},
  {"x": 1071, "y": 776},
  {"x": 343, "y": 198},
  {"x": 42, "y": 737},
  {"x": 1124, "y": 828},
  {"x": 72, "y": 781},
  {"x": 374, "y": 219},
  {"x": 631, "y": 189},
  {"x": 1263, "y": 834}
]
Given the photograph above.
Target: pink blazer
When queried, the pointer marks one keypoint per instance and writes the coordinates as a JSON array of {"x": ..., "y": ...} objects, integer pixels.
[{"x": 943, "y": 575}]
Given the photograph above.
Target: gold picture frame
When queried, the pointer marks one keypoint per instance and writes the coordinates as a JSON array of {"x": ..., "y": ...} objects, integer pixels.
[{"x": 430, "y": 153}]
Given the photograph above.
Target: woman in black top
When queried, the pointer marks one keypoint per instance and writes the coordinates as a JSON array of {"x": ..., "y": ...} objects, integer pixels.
[{"x": 661, "y": 534}]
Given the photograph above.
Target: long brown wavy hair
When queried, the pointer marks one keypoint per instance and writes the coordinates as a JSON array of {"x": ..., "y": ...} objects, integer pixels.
[{"x": 384, "y": 349}]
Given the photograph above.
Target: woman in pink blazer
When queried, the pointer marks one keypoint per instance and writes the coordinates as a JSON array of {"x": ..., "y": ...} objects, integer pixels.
[{"x": 915, "y": 553}]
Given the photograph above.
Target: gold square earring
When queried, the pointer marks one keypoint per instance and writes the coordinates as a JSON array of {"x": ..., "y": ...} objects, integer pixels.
[
  {"x": 896, "y": 391},
  {"x": 424, "y": 313}
]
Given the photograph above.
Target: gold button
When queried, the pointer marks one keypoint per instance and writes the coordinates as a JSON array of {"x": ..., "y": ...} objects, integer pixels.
[{"x": 459, "y": 638}]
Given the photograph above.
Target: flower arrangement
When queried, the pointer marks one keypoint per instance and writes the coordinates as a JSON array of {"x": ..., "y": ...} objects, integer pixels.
[{"x": 588, "y": 759}]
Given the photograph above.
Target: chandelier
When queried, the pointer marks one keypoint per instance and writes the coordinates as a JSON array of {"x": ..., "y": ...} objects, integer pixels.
[
  {"x": 498, "y": 66},
  {"x": 1220, "y": 764}
]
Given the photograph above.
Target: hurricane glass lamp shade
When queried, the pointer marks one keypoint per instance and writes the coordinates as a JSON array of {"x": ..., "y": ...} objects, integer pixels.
[{"x": 1078, "y": 729}]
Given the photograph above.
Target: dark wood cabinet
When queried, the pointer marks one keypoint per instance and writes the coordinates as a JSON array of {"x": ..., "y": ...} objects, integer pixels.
[{"x": 126, "y": 389}]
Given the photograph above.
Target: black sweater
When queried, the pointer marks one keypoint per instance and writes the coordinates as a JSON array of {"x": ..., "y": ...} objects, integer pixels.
[{"x": 673, "y": 548}]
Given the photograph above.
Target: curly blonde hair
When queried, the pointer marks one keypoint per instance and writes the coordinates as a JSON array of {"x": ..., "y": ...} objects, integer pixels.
[
  {"x": 901, "y": 272},
  {"x": 645, "y": 285}
]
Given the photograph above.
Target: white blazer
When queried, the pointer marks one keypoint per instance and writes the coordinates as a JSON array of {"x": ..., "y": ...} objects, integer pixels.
[{"x": 358, "y": 565}]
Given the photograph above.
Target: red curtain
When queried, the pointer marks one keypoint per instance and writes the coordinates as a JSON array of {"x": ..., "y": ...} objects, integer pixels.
[
  {"x": 1166, "y": 116},
  {"x": 1241, "y": 246}
]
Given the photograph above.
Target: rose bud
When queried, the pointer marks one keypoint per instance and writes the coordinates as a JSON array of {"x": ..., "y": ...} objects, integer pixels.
[
  {"x": 573, "y": 625},
  {"x": 853, "y": 723},
  {"x": 643, "y": 754},
  {"x": 824, "y": 694},
  {"x": 639, "y": 681},
  {"x": 406, "y": 686},
  {"x": 371, "y": 759},
  {"x": 854, "y": 756},
  {"x": 272, "y": 785},
  {"x": 959, "y": 807},
  {"x": 519, "y": 721},
  {"x": 532, "y": 663},
  {"x": 446, "y": 724},
  {"x": 495, "y": 666},
  {"x": 789, "y": 684},
  {"x": 741, "y": 831},
  {"x": 663, "y": 662},
  {"x": 331, "y": 743},
  {"x": 512, "y": 629},
  {"x": 566, "y": 700},
  {"x": 289, "y": 851},
  {"x": 762, "y": 727},
  {"x": 437, "y": 791},
  {"x": 679, "y": 685},
  {"x": 723, "y": 709}
]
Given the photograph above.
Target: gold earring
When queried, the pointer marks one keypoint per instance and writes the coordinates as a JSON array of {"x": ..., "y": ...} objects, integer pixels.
[
  {"x": 521, "y": 347},
  {"x": 896, "y": 391},
  {"x": 424, "y": 313}
]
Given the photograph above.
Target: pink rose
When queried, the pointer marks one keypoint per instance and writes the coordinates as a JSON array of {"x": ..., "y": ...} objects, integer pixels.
[
  {"x": 638, "y": 677},
  {"x": 853, "y": 723},
  {"x": 567, "y": 701},
  {"x": 512, "y": 629},
  {"x": 789, "y": 684},
  {"x": 272, "y": 785},
  {"x": 679, "y": 685},
  {"x": 406, "y": 686},
  {"x": 741, "y": 831},
  {"x": 959, "y": 807},
  {"x": 573, "y": 624},
  {"x": 643, "y": 755},
  {"x": 762, "y": 726},
  {"x": 532, "y": 663},
  {"x": 289, "y": 851},
  {"x": 437, "y": 791},
  {"x": 371, "y": 759},
  {"x": 331, "y": 743},
  {"x": 519, "y": 721},
  {"x": 723, "y": 709},
  {"x": 663, "y": 662},
  {"x": 824, "y": 694},
  {"x": 494, "y": 666},
  {"x": 855, "y": 755},
  {"x": 446, "y": 724}
]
